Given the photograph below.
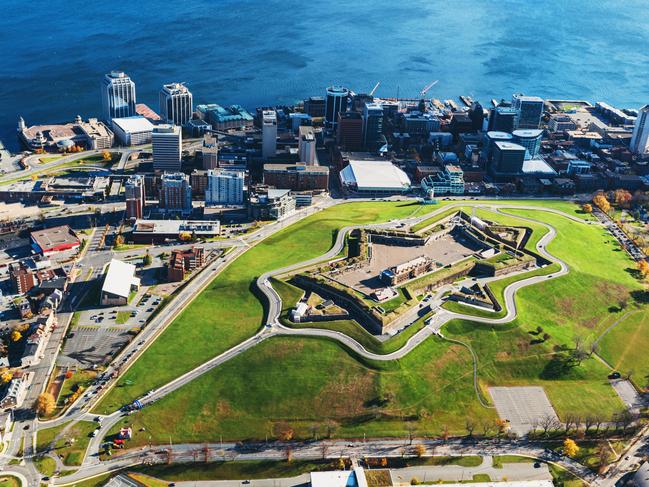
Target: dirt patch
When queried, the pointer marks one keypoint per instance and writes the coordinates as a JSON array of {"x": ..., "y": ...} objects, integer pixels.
[{"x": 284, "y": 349}]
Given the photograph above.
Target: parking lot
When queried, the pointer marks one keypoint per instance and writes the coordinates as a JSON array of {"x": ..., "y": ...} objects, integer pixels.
[
  {"x": 523, "y": 407},
  {"x": 102, "y": 332}
]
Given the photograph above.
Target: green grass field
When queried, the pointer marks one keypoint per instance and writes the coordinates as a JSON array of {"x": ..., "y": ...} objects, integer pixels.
[
  {"x": 280, "y": 384},
  {"x": 227, "y": 312},
  {"x": 71, "y": 445}
]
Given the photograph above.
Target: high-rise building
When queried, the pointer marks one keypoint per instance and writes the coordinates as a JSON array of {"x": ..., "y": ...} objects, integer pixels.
[
  {"x": 315, "y": 106},
  {"x": 135, "y": 195},
  {"x": 502, "y": 119},
  {"x": 530, "y": 139},
  {"x": 296, "y": 177},
  {"x": 306, "y": 145},
  {"x": 175, "y": 193},
  {"x": 476, "y": 114},
  {"x": 117, "y": 96},
  {"x": 224, "y": 187},
  {"x": 210, "y": 152},
  {"x": 508, "y": 158},
  {"x": 336, "y": 101},
  {"x": 490, "y": 139},
  {"x": 350, "y": 131},
  {"x": 167, "y": 147},
  {"x": 640, "y": 138},
  {"x": 176, "y": 104},
  {"x": 268, "y": 133},
  {"x": 529, "y": 110},
  {"x": 372, "y": 124}
]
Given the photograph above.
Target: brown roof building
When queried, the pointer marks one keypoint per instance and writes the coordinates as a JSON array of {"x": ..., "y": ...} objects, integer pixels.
[
  {"x": 296, "y": 177},
  {"x": 184, "y": 261}
]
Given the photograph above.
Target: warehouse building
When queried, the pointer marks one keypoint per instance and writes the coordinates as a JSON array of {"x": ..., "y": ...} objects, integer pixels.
[
  {"x": 374, "y": 177},
  {"x": 56, "y": 239}
]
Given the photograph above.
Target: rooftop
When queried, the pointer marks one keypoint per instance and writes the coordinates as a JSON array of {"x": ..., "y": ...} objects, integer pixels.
[
  {"x": 376, "y": 174},
  {"x": 48, "y": 238},
  {"x": 119, "y": 278},
  {"x": 133, "y": 124}
]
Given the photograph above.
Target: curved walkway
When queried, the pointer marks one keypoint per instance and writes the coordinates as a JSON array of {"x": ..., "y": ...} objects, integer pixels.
[{"x": 440, "y": 318}]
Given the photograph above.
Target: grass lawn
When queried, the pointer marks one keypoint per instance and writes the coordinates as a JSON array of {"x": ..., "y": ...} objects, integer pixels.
[
  {"x": 235, "y": 470},
  {"x": 80, "y": 378},
  {"x": 79, "y": 436},
  {"x": 122, "y": 317},
  {"x": 45, "y": 465},
  {"x": 280, "y": 385},
  {"x": 227, "y": 311},
  {"x": 500, "y": 460},
  {"x": 9, "y": 481},
  {"x": 625, "y": 347}
]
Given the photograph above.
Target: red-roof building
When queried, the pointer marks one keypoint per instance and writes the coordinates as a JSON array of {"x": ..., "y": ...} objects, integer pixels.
[{"x": 55, "y": 239}]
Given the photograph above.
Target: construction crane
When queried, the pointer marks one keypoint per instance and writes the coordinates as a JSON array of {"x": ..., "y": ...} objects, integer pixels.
[
  {"x": 374, "y": 89},
  {"x": 423, "y": 92}
]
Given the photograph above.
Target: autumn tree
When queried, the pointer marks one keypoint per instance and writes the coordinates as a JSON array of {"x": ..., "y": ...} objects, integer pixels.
[
  {"x": 570, "y": 448},
  {"x": 622, "y": 198},
  {"x": 601, "y": 202},
  {"x": 107, "y": 155},
  {"x": 587, "y": 208},
  {"x": 147, "y": 259},
  {"x": 119, "y": 240},
  {"x": 5, "y": 376},
  {"x": 643, "y": 268},
  {"x": 16, "y": 336},
  {"x": 420, "y": 450},
  {"x": 45, "y": 404}
]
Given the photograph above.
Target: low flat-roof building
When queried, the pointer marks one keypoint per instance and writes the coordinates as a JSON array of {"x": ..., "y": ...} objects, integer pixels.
[
  {"x": 377, "y": 177},
  {"x": 136, "y": 130},
  {"x": 87, "y": 188},
  {"x": 296, "y": 177},
  {"x": 158, "y": 231},
  {"x": 55, "y": 239},
  {"x": 120, "y": 280}
]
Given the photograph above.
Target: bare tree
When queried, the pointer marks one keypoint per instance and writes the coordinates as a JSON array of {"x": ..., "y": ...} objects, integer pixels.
[
  {"x": 324, "y": 449},
  {"x": 568, "y": 422},
  {"x": 548, "y": 423},
  {"x": 487, "y": 427},
  {"x": 597, "y": 422},
  {"x": 589, "y": 421},
  {"x": 470, "y": 426}
]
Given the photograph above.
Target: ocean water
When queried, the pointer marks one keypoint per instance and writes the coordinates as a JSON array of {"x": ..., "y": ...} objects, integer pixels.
[{"x": 53, "y": 53}]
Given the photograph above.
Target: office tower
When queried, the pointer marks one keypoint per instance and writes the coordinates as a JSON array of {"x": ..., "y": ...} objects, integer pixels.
[
  {"x": 502, "y": 119},
  {"x": 210, "y": 152},
  {"x": 176, "y": 104},
  {"x": 306, "y": 145},
  {"x": 135, "y": 196},
  {"x": 349, "y": 135},
  {"x": 490, "y": 139},
  {"x": 268, "y": 133},
  {"x": 507, "y": 158},
  {"x": 117, "y": 96},
  {"x": 530, "y": 139},
  {"x": 476, "y": 114},
  {"x": 315, "y": 106},
  {"x": 175, "y": 193},
  {"x": 529, "y": 110},
  {"x": 224, "y": 187},
  {"x": 167, "y": 148},
  {"x": 336, "y": 101},
  {"x": 372, "y": 124},
  {"x": 640, "y": 138}
]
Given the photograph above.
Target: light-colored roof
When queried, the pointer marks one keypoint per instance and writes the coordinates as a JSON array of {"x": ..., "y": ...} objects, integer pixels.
[
  {"x": 379, "y": 174},
  {"x": 641, "y": 477},
  {"x": 537, "y": 166},
  {"x": 133, "y": 124},
  {"x": 337, "y": 478},
  {"x": 119, "y": 278}
]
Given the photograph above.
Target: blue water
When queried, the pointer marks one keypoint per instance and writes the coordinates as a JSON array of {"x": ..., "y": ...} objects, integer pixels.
[{"x": 53, "y": 53}]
